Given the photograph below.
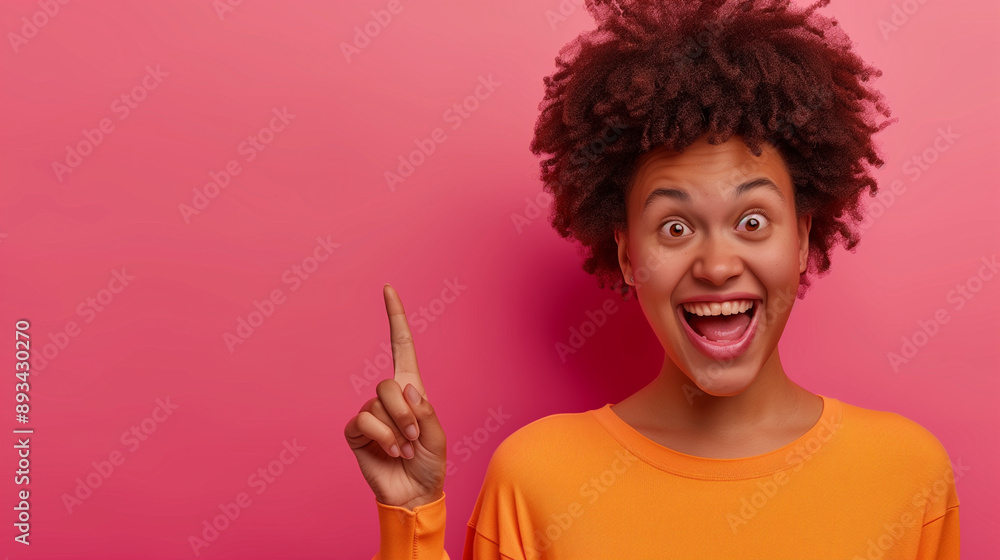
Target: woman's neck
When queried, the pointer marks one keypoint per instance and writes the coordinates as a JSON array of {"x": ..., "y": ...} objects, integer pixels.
[{"x": 770, "y": 410}]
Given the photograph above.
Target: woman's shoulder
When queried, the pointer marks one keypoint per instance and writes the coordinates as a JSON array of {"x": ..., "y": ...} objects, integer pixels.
[
  {"x": 893, "y": 434},
  {"x": 901, "y": 454},
  {"x": 553, "y": 429},
  {"x": 545, "y": 443}
]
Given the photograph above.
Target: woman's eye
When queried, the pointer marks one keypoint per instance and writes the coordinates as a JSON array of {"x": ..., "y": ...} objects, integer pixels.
[
  {"x": 754, "y": 222},
  {"x": 675, "y": 228}
]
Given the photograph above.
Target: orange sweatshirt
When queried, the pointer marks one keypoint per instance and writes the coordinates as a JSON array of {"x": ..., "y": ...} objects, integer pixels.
[{"x": 859, "y": 485}]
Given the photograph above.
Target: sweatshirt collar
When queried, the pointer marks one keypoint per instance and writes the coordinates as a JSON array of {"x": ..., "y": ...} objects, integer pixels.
[{"x": 804, "y": 448}]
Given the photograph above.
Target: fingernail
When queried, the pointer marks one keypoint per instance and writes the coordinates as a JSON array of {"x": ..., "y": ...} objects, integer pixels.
[
  {"x": 394, "y": 450},
  {"x": 411, "y": 432},
  {"x": 412, "y": 395},
  {"x": 407, "y": 451}
]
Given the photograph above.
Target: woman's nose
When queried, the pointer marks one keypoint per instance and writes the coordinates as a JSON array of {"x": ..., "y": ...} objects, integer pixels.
[{"x": 717, "y": 261}]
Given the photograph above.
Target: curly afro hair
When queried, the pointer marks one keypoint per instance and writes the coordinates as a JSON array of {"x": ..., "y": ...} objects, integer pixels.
[{"x": 667, "y": 72}]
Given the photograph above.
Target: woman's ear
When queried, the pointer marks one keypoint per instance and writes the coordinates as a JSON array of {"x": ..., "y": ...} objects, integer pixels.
[
  {"x": 805, "y": 225},
  {"x": 621, "y": 238}
]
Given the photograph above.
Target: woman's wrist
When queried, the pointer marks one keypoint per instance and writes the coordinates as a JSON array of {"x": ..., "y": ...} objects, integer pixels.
[
  {"x": 415, "y": 502},
  {"x": 423, "y": 500}
]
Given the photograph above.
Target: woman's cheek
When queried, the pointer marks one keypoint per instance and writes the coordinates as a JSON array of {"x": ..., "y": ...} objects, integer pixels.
[
  {"x": 780, "y": 265},
  {"x": 655, "y": 307},
  {"x": 660, "y": 313}
]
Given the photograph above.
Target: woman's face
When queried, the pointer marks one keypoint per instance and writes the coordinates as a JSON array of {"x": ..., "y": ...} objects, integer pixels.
[{"x": 715, "y": 224}]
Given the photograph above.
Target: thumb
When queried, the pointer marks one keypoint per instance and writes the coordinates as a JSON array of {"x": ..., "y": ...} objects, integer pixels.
[{"x": 431, "y": 433}]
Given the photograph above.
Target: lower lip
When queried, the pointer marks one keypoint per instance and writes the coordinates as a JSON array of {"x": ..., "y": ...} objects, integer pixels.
[{"x": 722, "y": 350}]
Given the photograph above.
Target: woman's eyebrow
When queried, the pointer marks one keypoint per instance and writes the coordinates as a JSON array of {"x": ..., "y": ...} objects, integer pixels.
[{"x": 681, "y": 195}]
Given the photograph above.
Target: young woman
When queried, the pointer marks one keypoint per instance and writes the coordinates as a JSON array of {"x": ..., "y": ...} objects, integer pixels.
[{"x": 708, "y": 154}]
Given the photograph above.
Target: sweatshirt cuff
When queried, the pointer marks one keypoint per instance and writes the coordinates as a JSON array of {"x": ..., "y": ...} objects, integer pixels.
[{"x": 411, "y": 534}]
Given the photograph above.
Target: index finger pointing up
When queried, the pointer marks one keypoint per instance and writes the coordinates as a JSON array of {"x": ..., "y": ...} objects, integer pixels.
[{"x": 404, "y": 355}]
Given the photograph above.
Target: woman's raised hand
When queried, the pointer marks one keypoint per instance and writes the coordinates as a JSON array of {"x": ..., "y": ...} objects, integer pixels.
[{"x": 400, "y": 446}]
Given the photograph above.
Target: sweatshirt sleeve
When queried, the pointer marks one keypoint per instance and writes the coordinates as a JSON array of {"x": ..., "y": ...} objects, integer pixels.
[
  {"x": 939, "y": 538},
  {"x": 939, "y": 535},
  {"x": 412, "y": 535}
]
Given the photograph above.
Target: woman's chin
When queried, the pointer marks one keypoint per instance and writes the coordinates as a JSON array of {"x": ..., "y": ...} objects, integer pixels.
[{"x": 724, "y": 382}]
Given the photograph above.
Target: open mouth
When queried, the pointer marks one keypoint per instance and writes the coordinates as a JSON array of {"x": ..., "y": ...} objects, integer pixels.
[
  {"x": 726, "y": 324},
  {"x": 720, "y": 331}
]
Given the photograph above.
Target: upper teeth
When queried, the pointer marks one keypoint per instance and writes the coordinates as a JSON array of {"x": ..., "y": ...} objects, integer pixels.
[{"x": 724, "y": 308}]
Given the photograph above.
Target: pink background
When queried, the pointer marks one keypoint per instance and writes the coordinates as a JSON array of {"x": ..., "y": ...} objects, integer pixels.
[{"x": 321, "y": 175}]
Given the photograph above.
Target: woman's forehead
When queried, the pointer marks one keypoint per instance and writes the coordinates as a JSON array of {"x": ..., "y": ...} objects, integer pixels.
[{"x": 704, "y": 166}]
